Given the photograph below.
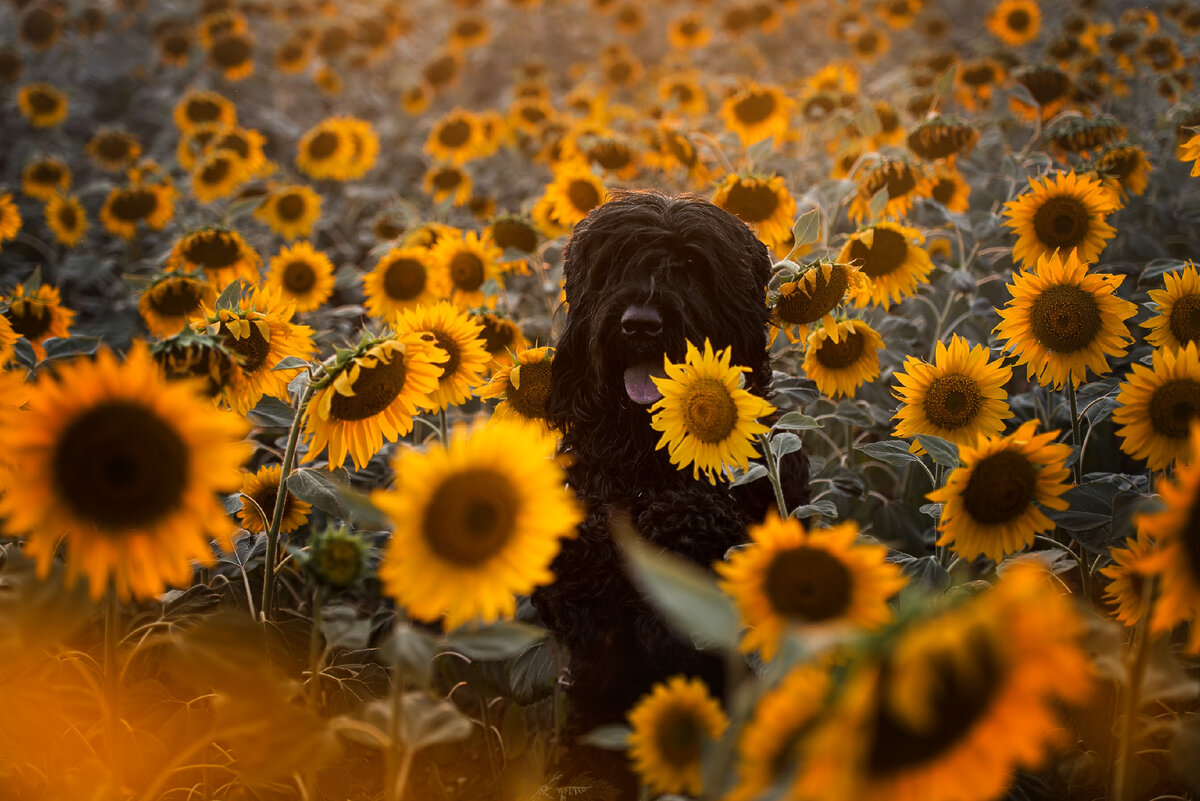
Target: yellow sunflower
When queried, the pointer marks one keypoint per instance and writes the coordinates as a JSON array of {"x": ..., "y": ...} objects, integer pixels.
[
  {"x": 40, "y": 26},
  {"x": 952, "y": 704},
  {"x": 904, "y": 182},
  {"x": 502, "y": 337},
  {"x": 364, "y": 147},
  {"x": 223, "y": 255},
  {"x": 292, "y": 56},
  {"x": 1189, "y": 150},
  {"x": 173, "y": 299},
  {"x": 670, "y": 726},
  {"x": 523, "y": 387},
  {"x": 38, "y": 315},
  {"x": 477, "y": 522},
  {"x": 245, "y": 143},
  {"x": 792, "y": 580},
  {"x": 455, "y": 138},
  {"x": 688, "y": 31},
  {"x": 990, "y": 499},
  {"x": 762, "y": 203},
  {"x": 301, "y": 274},
  {"x": 942, "y": 138},
  {"x": 947, "y": 186},
  {"x": 707, "y": 420},
  {"x": 469, "y": 261},
  {"x": 45, "y": 178},
  {"x": 8, "y": 338},
  {"x": 233, "y": 55},
  {"x": 810, "y": 299},
  {"x": 260, "y": 490},
  {"x": 10, "y": 218},
  {"x": 1015, "y": 22},
  {"x": 174, "y": 44},
  {"x": 1156, "y": 406},
  {"x": 290, "y": 210},
  {"x": 371, "y": 394},
  {"x": 416, "y": 98},
  {"x": 758, "y": 111},
  {"x": 842, "y": 361},
  {"x": 151, "y": 205},
  {"x": 1126, "y": 591},
  {"x": 42, "y": 104},
  {"x": 514, "y": 234},
  {"x": 325, "y": 151},
  {"x": 404, "y": 278},
  {"x": 574, "y": 192},
  {"x": 201, "y": 107},
  {"x": 67, "y": 219},
  {"x": 447, "y": 182},
  {"x": 1178, "y": 320},
  {"x": 123, "y": 469},
  {"x": 1063, "y": 320},
  {"x": 465, "y": 359},
  {"x": 683, "y": 92},
  {"x": 1122, "y": 168},
  {"x": 218, "y": 174},
  {"x": 1050, "y": 88},
  {"x": 960, "y": 397},
  {"x": 1063, "y": 212}
]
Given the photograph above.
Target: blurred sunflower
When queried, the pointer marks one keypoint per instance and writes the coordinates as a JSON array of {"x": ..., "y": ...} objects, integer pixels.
[
  {"x": 683, "y": 92},
  {"x": 903, "y": 181},
  {"x": 123, "y": 469},
  {"x": 1049, "y": 87},
  {"x": 290, "y": 210},
  {"x": 523, "y": 387},
  {"x": 174, "y": 44},
  {"x": 992, "y": 500},
  {"x": 502, "y": 337},
  {"x": 214, "y": 25},
  {"x": 842, "y": 361},
  {"x": 890, "y": 255},
  {"x": 948, "y": 187},
  {"x": 1156, "y": 406},
  {"x": 869, "y": 44},
  {"x": 45, "y": 178},
  {"x": 301, "y": 274},
  {"x": 514, "y": 234},
  {"x": 1122, "y": 168},
  {"x": 114, "y": 149},
  {"x": 1064, "y": 212},
  {"x": 810, "y": 299},
  {"x": 1177, "y": 322},
  {"x": 574, "y": 191},
  {"x": 404, "y": 278},
  {"x": 443, "y": 71},
  {"x": 151, "y": 205},
  {"x": 1189, "y": 150},
  {"x": 758, "y": 111},
  {"x": 218, "y": 174},
  {"x": 38, "y": 315},
  {"x": 8, "y": 338},
  {"x": 706, "y": 418},
  {"x": 762, "y": 203},
  {"x": 467, "y": 32},
  {"x": 292, "y": 56},
  {"x": 223, "y": 255},
  {"x": 977, "y": 81},
  {"x": 688, "y": 31},
  {"x": 942, "y": 138},
  {"x": 199, "y": 358},
  {"x": 10, "y": 218},
  {"x": 1015, "y": 22},
  {"x": 364, "y": 147},
  {"x": 10, "y": 65},
  {"x": 1078, "y": 134},
  {"x": 173, "y": 299},
  {"x": 1062, "y": 320},
  {"x": 325, "y": 151},
  {"x": 40, "y": 26},
  {"x": 960, "y": 397},
  {"x": 790, "y": 579},
  {"x": 470, "y": 262},
  {"x": 42, "y": 104},
  {"x": 671, "y": 725},
  {"x": 233, "y": 55},
  {"x": 454, "y": 138},
  {"x": 198, "y": 107},
  {"x": 245, "y": 143},
  {"x": 616, "y": 157},
  {"x": 260, "y": 490},
  {"x": 447, "y": 182},
  {"x": 1125, "y": 594},
  {"x": 465, "y": 358},
  {"x": 416, "y": 98},
  {"x": 477, "y": 522},
  {"x": 67, "y": 219}
]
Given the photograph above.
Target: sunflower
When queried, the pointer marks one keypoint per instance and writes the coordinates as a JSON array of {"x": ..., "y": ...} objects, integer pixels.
[
  {"x": 443, "y": 71},
  {"x": 8, "y": 338},
  {"x": 683, "y": 92},
  {"x": 325, "y": 151},
  {"x": 45, "y": 178},
  {"x": 201, "y": 107},
  {"x": 173, "y": 299},
  {"x": 670, "y": 726},
  {"x": 38, "y": 315},
  {"x": 1050, "y": 88},
  {"x": 113, "y": 149},
  {"x": 457, "y": 335},
  {"x": 218, "y": 174},
  {"x": 790, "y": 579},
  {"x": 1178, "y": 305},
  {"x": 942, "y": 138},
  {"x": 404, "y": 278},
  {"x": 502, "y": 337},
  {"x": 10, "y": 218},
  {"x": 292, "y": 56},
  {"x": 41, "y": 26},
  {"x": 42, "y": 104},
  {"x": 756, "y": 112},
  {"x": 811, "y": 298},
  {"x": 688, "y": 31},
  {"x": 260, "y": 490},
  {"x": 364, "y": 147},
  {"x": 948, "y": 706},
  {"x": 903, "y": 181},
  {"x": 890, "y": 255},
  {"x": 574, "y": 191},
  {"x": 290, "y": 210},
  {"x": 1122, "y": 168},
  {"x": 416, "y": 98},
  {"x": 1015, "y": 22},
  {"x": 469, "y": 261},
  {"x": 762, "y": 203},
  {"x": 960, "y": 397},
  {"x": 200, "y": 358},
  {"x": 1064, "y": 212},
  {"x": 1189, "y": 150},
  {"x": 946, "y": 186},
  {"x": 151, "y": 205},
  {"x": 302, "y": 274},
  {"x": 67, "y": 219},
  {"x": 1126, "y": 591},
  {"x": 123, "y": 468},
  {"x": 455, "y": 138},
  {"x": 1078, "y": 134},
  {"x": 258, "y": 330},
  {"x": 523, "y": 387},
  {"x": 174, "y": 44},
  {"x": 514, "y": 234},
  {"x": 220, "y": 23},
  {"x": 233, "y": 55},
  {"x": 223, "y": 255},
  {"x": 615, "y": 157},
  {"x": 245, "y": 143},
  {"x": 447, "y": 182},
  {"x": 1063, "y": 320},
  {"x": 842, "y": 361},
  {"x": 1156, "y": 406},
  {"x": 707, "y": 420}
]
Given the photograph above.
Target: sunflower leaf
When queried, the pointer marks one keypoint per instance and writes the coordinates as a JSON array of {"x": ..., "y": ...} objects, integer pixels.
[
  {"x": 271, "y": 413},
  {"x": 290, "y": 363},
  {"x": 807, "y": 228},
  {"x": 945, "y": 81},
  {"x": 944, "y": 452},
  {"x": 755, "y": 472},
  {"x": 867, "y": 121},
  {"x": 613, "y": 737},
  {"x": 426, "y": 721},
  {"x": 1072, "y": 520},
  {"x": 783, "y": 444},
  {"x": 760, "y": 150},
  {"x": 411, "y": 651},
  {"x": 822, "y": 508},
  {"x": 877, "y": 204},
  {"x": 892, "y": 451},
  {"x": 794, "y": 421},
  {"x": 231, "y": 297},
  {"x": 501, "y": 640}
]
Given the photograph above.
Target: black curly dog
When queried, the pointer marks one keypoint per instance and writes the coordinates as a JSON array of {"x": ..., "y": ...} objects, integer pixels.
[{"x": 646, "y": 273}]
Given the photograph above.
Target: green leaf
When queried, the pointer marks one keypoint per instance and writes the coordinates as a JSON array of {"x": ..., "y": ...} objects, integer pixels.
[
  {"x": 849, "y": 412},
  {"x": 824, "y": 508},
  {"x": 613, "y": 737},
  {"x": 67, "y": 347},
  {"x": 794, "y": 421},
  {"x": 943, "y": 451},
  {"x": 783, "y": 444},
  {"x": 271, "y": 413},
  {"x": 892, "y": 451},
  {"x": 945, "y": 81},
  {"x": 500, "y": 640},
  {"x": 290, "y": 363},
  {"x": 231, "y": 297},
  {"x": 755, "y": 472},
  {"x": 1072, "y": 520},
  {"x": 867, "y": 121},
  {"x": 877, "y": 204},
  {"x": 343, "y": 628},
  {"x": 428, "y": 721},
  {"x": 411, "y": 650},
  {"x": 760, "y": 150},
  {"x": 807, "y": 228},
  {"x": 323, "y": 489}
]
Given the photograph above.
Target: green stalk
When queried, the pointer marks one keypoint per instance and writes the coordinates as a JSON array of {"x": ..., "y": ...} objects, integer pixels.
[
  {"x": 1075, "y": 430},
  {"x": 764, "y": 441},
  {"x": 315, "y": 650},
  {"x": 1127, "y": 744}
]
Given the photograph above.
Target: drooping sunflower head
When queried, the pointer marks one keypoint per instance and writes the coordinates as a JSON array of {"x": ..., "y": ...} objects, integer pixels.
[
  {"x": 891, "y": 257},
  {"x": 670, "y": 727},
  {"x": 201, "y": 358},
  {"x": 223, "y": 255},
  {"x": 1178, "y": 305},
  {"x": 470, "y": 262},
  {"x": 42, "y": 104},
  {"x": 457, "y": 335},
  {"x": 762, "y": 203},
  {"x": 290, "y": 210},
  {"x": 902, "y": 181},
  {"x": 842, "y": 361},
  {"x": 502, "y": 337},
  {"x": 1157, "y": 405},
  {"x": 38, "y": 315},
  {"x": 1062, "y": 213},
  {"x": 1078, "y": 134},
  {"x": 338, "y": 557},
  {"x": 1050, "y": 88},
  {"x": 174, "y": 298},
  {"x": 45, "y": 178},
  {"x": 811, "y": 298},
  {"x": 260, "y": 491},
  {"x": 942, "y": 138},
  {"x": 524, "y": 387}
]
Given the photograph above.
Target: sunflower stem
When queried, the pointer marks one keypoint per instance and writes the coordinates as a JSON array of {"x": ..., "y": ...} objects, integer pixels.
[
  {"x": 764, "y": 441},
  {"x": 1075, "y": 429},
  {"x": 1123, "y": 772},
  {"x": 315, "y": 650},
  {"x": 267, "y": 609},
  {"x": 442, "y": 426}
]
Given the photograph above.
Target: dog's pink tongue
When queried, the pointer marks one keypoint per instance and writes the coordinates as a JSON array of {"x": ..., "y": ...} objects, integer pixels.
[{"x": 638, "y": 384}]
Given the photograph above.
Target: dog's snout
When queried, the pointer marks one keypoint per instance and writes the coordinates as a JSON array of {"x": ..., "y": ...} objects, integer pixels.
[{"x": 644, "y": 320}]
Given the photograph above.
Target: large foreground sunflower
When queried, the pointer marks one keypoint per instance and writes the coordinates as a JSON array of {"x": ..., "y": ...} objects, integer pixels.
[
  {"x": 891, "y": 256},
  {"x": 670, "y": 726},
  {"x": 790, "y": 579},
  {"x": 1062, "y": 213},
  {"x": 707, "y": 420},
  {"x": 477, "y": 522},
  {"x": 457, "y": 335},
  {"x": 991, "y": 500},
  {"x": 842, "y": 361},
  {"x": 1156, "y": 406},
  {"x": 1063, "y": 320},
  {"x": 960, "y": 397},
  {"x": 1178, "y": 304},
  {"x": 122, "y": 468}
]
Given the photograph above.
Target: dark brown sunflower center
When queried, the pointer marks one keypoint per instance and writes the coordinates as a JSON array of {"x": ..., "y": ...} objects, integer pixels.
[
  {"x": 842, "y": 354},
  {"x": 119, "y": 465},
  {"x": 176, "y": 297},
  {"x": 1018, "y": 20},
  {"x": 808, "y": 584},
  {"x": 374, "y": 390},
  {"x": 885, "y": 255},
  {"x": 961, "y": 689},
  {"x": 682, "y": 92},
  {"x": 39, "y": 26},
  {"x": 216, "y": 170},
  {"x": 323, "y": 145},
  {"x": 689, "y": 28},
  {"x": 46, "y": 172},
  {"x": 212, "y": 251},
  {"x": 1000, "y": 488},
  {"x": 978, "y": 74},
  {"x": 583, "y": 196},
  {"x": 1173, "y": 406},
  {"x": 471, "y": 516},
  {"x": 30, "y": 320},
  {"x": 232, "y": 51},
  {"x": 68, "y": 217},
  {"x": 251, "y": 351},
  {"x": 1061, "y": 222},
  {"x": 532, "y": 114},
  {"x": 681, "y": 148},
  {"x": 235, "y": 142},
  {"x": 468, "y": 29},
  {"x": 898, "y": 178},
  {"x": 1184, "y": 320},
  {"x": 404, "y": 279},
  {"x": 215, "y": 366},
  {"x": 952, "y": 401},
  {"x": 43, "y": 102},
  {"x": 453, "y": 353},
  {"x": 298, "y": 277},
  {"x": 944, "y": 191},
  {"x": 497, "y": 334},
  {"x": 678, "y": 738},
  {"x": 530, "y": 400},
  {"x": 868, "y": 42},
  {"x": 466, "y": 271},
  {"x": 1065, "y": 318},
  {"x": 290, "y": 208},
  {"x": 709, "y": 413},
  {"x": 1120, "y": 163},
  {"x": 1045, "y": 84},
  {"x": 266, "y": 497},
  {"x": 751, "y": 203},
  {"x": 441, "y": 71},
  {"x": 815, "y": 298},
  {"x": 455, "y": 133},
  {"x": 755, "y": 108},
  {"x": 620, "y": 71},
  {"x": 611, "y": 155},
  {"x": 175, "y": 44},
  {"x": 114, "y": 147},
  {"x": 134, "y": 204},
  {"x": 514, "y": 234},
  {"x": 447, "y": 179},
  {"x": 201, "y": 110}
]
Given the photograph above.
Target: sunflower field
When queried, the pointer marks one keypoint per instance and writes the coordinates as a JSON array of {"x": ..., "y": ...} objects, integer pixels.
[{"x": 280, "y": 282}]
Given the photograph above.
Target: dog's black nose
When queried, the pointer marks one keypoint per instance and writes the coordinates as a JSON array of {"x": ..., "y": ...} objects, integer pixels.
[{"x": 644, "y": 320}]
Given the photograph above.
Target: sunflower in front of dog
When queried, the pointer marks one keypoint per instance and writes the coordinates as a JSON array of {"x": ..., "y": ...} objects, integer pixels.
[{"x": 707, "y": 419}]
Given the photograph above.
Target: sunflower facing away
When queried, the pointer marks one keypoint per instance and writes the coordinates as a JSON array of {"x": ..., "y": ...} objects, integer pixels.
[
  {"x": 67, "y": 219},
  {"x": 904, "y": 182},
  {"x": 1063, "y": 320},
  {"x": 290, "y": 211},
  {"x": 891, "y": 256},
  {"x": 670, "y": 725},
  {"x": 124, "y": 469},
  {"x": 707, "y": 420},
  {"x": 38, "y": 315},
  {"x": 523, "y": 387},
  {"x": 457, "y": 335},
  {"x": 1178, "y": 320},
  {"x": 810, "y": 299},
  {"x": 260, "y": 490},
  {"x": 1126, "y": 590},
  {"x": 843, "y": 361},
  {"x": 1156, "y": 406},
  {"x": 189, "y": 355},
  {"x": 990, "y": 499},
  {"x": 1062, "y": 213},
  {"x": 371, "y": 394},
  {"x": 405, "y": 278},
  {"x": 477, "y": 522},
  {"x": 173, "y": 299},
  {"x": 301, "y": 274},
  {"x": 792, "y": 580},
  {"x": 952, "y": 703},
  {"x": 960, "y": 397},
  {"x": 762, "y": 203}
]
